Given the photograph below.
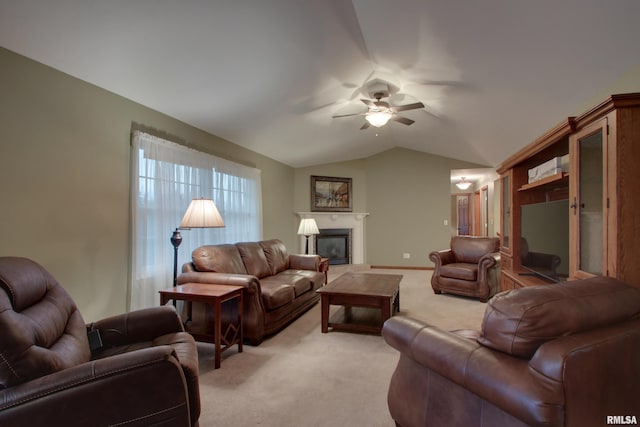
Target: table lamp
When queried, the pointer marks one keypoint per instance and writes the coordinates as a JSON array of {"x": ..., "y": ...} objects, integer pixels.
[{"x": 308, "y": 227}]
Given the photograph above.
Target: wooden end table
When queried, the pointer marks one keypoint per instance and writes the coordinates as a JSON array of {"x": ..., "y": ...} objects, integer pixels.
[
  {"x": 380, "y": 291},
  {"x": 213, "y": 295},
  {"x": 324, "y": 268}
]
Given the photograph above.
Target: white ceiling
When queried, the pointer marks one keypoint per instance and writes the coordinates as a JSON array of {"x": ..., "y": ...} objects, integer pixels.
[{"x": 269, "y": 74}]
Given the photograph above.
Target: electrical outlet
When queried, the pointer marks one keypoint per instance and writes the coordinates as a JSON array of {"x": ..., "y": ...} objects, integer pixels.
[{"x": 406, "y": 255}]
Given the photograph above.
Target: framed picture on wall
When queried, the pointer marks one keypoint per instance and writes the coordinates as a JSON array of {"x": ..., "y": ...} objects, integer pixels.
[{"x": 329, "y": 194}]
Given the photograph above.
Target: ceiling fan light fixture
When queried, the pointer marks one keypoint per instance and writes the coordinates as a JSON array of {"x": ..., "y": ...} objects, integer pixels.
[
  {"x": 463, "y": 184},
  {"x": 378, "y": 118}
]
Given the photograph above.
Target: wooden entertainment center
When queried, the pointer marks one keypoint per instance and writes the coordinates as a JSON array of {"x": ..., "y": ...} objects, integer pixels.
[{"x": 599, "y": 188}]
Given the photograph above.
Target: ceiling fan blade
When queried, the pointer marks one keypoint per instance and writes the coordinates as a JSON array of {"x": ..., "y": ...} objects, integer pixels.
[
  {"x": 409, "y": 106},
  {"x": 346, "y": 115},
  {"x": 368, "y": 103},
  {"x": 365, "y": 125},
  {"x": 403, "y": 120}
]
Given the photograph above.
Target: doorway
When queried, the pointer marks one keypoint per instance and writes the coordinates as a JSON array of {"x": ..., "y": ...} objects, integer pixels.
[
  {"x": 462, "y": 214},
  {"x": 472, "y": 207}
]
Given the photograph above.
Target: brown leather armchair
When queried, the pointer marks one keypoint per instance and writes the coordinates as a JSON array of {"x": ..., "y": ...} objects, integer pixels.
[
  {"x": 470, "y": 267},
  {"x": 145, "y": 373},
  {"x": 566, "y": 354}
]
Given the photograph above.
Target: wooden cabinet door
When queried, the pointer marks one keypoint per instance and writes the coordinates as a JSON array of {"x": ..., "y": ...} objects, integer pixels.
[{"x": 588, "y": 201}]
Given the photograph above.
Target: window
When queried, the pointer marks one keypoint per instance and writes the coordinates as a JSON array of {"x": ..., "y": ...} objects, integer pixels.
[{"x": 165, "y": 178}]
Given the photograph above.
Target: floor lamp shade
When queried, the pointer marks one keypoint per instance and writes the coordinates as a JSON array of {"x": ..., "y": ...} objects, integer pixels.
[{"x": 201, "y": 213}]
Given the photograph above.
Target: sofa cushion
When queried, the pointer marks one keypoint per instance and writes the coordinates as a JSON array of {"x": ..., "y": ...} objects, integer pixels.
[
  {"x": 254, "y": 259},
  {"x": 219, "y": 259},
  {"x": 275, "y": 293},
  {"x": 300, "y": 282},
  {"x": 276, "y": 254},
  {"x": 459, "y": 270},
  {"x": 42, "y": 331},
  {"x": 315, "y": 277},
  {"x": 471, "y": 249},
  {"x": 518, "y": 322}
]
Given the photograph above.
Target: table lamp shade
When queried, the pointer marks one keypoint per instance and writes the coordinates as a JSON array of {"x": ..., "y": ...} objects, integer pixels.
[
  {"x": 202, "y": 213},
  {"x": 308, "y": 226}
]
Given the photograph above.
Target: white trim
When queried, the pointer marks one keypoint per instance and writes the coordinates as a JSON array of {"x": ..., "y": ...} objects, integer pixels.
[{"x": 351, "y": 220}]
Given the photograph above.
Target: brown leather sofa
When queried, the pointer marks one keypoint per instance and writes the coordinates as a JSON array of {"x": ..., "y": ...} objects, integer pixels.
[
  {"x": 278, "y": 287},
  {"x": 566, "y": 354},
  {"x": 145, "y": 373},
  {"x": 470, "y": 267}
]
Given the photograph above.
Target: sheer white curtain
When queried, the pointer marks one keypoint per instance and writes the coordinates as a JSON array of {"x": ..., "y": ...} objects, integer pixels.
[{"x": 165, "y": 178}]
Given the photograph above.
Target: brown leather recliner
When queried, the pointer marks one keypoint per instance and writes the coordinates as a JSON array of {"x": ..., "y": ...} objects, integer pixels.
[
  {"x": 470, "y": 267},
  {"x": 146, "y": 372},
  {"x": 566, "y": 354}
]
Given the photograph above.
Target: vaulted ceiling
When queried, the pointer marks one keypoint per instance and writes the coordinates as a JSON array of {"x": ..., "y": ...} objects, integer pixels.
[{"x": 270, "y": 74}]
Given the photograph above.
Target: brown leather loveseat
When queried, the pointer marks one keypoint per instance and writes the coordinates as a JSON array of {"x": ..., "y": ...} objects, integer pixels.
[
  {"x": 145, "y": 373},
  {"x": 470, "y": 267},
  {"x": 554, "y": 355},
  {"x": 278, "y": 287}
]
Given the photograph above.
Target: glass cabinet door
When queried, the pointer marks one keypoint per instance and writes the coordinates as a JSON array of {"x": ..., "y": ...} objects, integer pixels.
[
  {"x": 506, "y": 211},
  {"x": 587, "y": 202}
]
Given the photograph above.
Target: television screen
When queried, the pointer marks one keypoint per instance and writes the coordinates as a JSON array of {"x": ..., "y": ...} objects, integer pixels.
[{"x": 544, "y": 245}]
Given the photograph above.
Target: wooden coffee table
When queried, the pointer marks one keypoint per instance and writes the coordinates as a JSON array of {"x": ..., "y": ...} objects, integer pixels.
[{"x": 361, "y": 290}]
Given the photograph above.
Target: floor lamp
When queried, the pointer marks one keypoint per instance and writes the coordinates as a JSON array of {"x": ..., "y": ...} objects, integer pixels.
[
  {"x": 308, "y": 227},
  {"x": 201, "y": 213}
]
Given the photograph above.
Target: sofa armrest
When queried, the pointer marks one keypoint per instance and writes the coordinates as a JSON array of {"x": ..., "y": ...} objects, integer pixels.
[
  {"x": 489, "y": 260},
  {"x": 146, "y": 386},
  {"x": 598, "y": 369},
  {"x": 304, "y": 262},
  {"x": 488, "y": 275},
  {"x": 139, "y": 325},
  {"x": 443, "y": 352},
  {"x": 505, "y": 381},
  {"x": 441, "y": 258},
  {"x": 188, "y": 267},
  {"x": 250, "y": 283}
]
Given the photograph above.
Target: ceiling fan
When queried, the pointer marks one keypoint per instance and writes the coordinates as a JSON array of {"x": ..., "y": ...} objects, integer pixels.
[{"x": 380, "y": 112}]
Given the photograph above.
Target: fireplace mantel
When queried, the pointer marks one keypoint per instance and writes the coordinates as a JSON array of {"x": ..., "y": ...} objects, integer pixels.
[{"x": 352, "y": 220}]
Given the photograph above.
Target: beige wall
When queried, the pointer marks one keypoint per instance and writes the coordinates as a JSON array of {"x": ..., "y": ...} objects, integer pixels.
[
  {"x": 64, "y": 179},
  {"x": 354, "y": 169},
  {"x": 65, "y": 146},
  {"x": 409, "y": 199},
  {"x": 407, "y": 195}
]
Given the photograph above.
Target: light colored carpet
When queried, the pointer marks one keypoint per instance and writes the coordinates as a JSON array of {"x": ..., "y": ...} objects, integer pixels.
[{"x": 302, "y": 377}]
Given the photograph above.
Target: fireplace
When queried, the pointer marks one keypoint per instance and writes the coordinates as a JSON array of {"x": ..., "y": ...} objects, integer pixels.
[
  {"x": 334, "y": 244},
  {"x": 353, "y": 222}
]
